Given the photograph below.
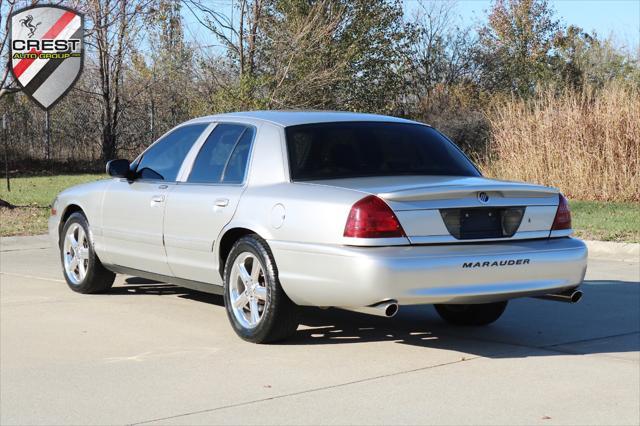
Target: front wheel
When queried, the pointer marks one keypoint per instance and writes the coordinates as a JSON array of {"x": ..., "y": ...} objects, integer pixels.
[
  {"x": 481, "y": 314},
  {"x": 257, "y": 307},
  {"x": 82, "y": 269}
]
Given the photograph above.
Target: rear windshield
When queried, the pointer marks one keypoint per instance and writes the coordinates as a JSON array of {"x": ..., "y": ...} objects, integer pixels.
[{"x": 359, "y": 149}]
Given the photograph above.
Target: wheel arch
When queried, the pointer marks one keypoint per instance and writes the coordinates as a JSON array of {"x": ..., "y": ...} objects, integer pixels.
[
  {"x": 226, "y": 241},
  {"x": 70, "y": 209}
]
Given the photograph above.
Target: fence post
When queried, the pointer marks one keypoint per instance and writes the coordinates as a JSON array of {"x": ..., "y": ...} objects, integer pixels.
[
  {"x": 47, "y": 132},
  {"x": 5, "y": 125}
]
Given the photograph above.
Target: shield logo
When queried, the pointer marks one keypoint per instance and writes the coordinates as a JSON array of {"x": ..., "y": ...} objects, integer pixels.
[{"x": 47, "y": 51}]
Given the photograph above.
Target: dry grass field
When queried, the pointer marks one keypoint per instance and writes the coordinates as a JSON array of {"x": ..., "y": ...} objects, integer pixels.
[{"x": 587, "y": 144}]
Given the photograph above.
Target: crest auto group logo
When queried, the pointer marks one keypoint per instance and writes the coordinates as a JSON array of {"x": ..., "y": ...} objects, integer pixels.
[{"x": 47, "y": 51}]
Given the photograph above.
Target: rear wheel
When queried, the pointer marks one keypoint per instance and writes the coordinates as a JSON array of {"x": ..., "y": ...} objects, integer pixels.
[
  {"x": 481, "y": 314},
  {"x": 82, "y": 269},
  {"x": 257, "y": 307}
]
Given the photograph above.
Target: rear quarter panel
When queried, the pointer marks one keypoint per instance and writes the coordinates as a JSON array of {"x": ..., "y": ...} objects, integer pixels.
[{"x": 296, "y": 212}]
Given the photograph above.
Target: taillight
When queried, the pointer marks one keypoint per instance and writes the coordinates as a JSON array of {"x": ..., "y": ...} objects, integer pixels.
[
  {"x": 563, "y": 215},
  {"x": 372, "y": 218}
]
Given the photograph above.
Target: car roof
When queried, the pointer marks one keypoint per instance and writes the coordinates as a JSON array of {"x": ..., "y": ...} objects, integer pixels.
[{"x": 294, "y": 118}]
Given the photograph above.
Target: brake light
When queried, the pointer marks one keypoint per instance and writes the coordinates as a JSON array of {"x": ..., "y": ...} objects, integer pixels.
[
  {"x": 563, "y": 215},
  {"x": 372, "y": 218}
]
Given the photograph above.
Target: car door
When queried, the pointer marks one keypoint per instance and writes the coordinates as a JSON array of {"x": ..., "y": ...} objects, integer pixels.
[
  {"x": 204, "y": 202},
  {"x": 133, "y": 210}
]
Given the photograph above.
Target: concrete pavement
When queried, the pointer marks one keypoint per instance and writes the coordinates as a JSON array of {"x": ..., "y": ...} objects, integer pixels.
[{"x": 161, "y": 354}]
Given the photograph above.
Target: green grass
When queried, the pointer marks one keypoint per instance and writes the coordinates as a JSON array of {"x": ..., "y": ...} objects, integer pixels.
[
  {"x": 33, "y": 195},
  {"x": 606, "y": 221},
  {"x": 595, "y": 220},
  {"x": 40, "y": 191}
]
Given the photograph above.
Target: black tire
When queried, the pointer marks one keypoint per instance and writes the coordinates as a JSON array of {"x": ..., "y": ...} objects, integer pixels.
[
  {"x": 279, "y": 318},
  {"x": 97, "y": 278},
  {"x": 474, "y": 315}
]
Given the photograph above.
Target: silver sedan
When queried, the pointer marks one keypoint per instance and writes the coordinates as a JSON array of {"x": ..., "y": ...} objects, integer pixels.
[{"x": 276, "y": 210}]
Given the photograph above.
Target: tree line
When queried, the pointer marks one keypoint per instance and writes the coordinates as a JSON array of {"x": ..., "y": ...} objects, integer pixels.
[{"x": 142, "y": 75}]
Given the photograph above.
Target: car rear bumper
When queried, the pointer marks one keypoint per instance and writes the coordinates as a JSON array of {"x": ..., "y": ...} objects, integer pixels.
[{"x": 323, "y": 275}]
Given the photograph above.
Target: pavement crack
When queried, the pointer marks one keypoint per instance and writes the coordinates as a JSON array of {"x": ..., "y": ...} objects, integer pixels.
[
  {"x": 24, "y": 249},
  {"x": 549, "y": 348},
  {"x": 591, "y": 339},
  {"x": 307, "y": 391},
  {"x": 33, "y": 277}
]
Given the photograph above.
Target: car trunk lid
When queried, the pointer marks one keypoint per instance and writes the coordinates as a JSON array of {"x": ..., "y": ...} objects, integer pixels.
[{"x": 450, "y": 209}]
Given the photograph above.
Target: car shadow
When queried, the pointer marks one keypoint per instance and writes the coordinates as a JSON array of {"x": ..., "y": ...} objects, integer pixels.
[{"x": 607, "y": 320}]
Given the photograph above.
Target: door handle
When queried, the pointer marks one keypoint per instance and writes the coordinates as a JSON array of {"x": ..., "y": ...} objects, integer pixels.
[
  {"x": 222, "y": 202},
  {"x": 157, "y": 199}
]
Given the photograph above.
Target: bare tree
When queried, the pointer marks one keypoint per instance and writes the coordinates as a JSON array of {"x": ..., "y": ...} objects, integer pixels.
[
  {"x": 441, "y": 52},
  {"x": 111, "y": 36},
  {"x": 298, "y": 56},
  {"x": 6, "y": 9},
  {"x": 238, "y": 35}
]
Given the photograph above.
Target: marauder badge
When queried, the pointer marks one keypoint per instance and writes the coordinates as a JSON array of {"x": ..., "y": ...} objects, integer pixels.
[{"x": 47, "y": 51}]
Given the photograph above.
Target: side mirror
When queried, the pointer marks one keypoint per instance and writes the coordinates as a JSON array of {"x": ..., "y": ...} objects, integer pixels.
[{"x": 119, "y": 168}]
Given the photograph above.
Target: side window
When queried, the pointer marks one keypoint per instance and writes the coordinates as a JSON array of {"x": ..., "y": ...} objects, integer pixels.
[
  {"x": 225, "y": 149},
  {"x": 163, "y": 160}
]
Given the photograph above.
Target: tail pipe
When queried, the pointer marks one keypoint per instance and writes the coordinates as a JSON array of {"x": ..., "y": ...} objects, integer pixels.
[
  {"x": 570, "y": 296},
  {"x": 386, "y": 308}
]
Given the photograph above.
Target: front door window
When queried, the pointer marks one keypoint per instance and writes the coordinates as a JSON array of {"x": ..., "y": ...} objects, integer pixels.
[{"x": 163, "y": 160}]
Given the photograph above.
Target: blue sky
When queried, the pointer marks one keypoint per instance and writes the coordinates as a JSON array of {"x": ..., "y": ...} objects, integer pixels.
[{"x": 619, "y": 19}]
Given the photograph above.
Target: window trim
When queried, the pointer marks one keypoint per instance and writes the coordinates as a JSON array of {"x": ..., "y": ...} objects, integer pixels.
[
  {"x": 190, "y": 158},
  {"x": 186, "y": 171},
  {"x": 186, "y": 157}
]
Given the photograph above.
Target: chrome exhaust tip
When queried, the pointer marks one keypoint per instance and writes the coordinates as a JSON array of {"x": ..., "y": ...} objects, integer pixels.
[
  {"x": 569, "y": 296},
  {"x": 386, "y": 308},
  {"x": 391, "y": 309}
]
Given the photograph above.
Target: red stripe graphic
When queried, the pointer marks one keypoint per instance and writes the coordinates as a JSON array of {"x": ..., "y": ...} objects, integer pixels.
[
  {"x": 59, "y": 26},
  {"x": 21, "y": 66},
  {"x": 55, "y": 29}
]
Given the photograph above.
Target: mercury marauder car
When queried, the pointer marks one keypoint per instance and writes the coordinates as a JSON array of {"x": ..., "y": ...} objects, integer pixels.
[{"x": 276, "y": 210}]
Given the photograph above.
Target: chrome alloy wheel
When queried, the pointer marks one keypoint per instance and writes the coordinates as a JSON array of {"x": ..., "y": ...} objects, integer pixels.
[
  {"x": 76, "y": 253},
  {"x": 247, "y": 290}
]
